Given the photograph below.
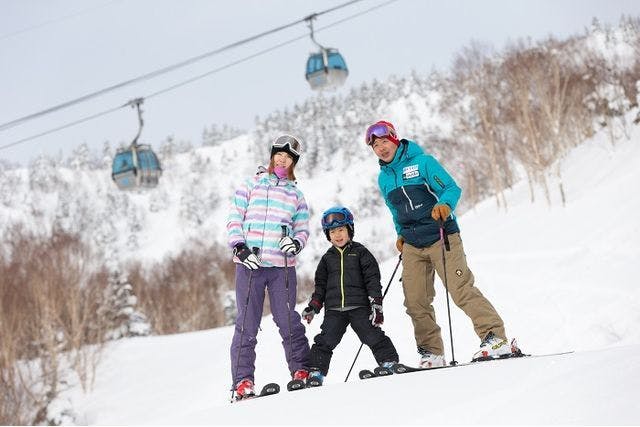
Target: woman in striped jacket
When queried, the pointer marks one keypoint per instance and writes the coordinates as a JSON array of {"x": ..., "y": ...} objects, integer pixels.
[{"x": 268, "y": 226}]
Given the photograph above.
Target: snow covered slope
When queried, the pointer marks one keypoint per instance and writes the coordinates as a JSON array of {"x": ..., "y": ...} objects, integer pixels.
[{"x": 562, "y": 278}]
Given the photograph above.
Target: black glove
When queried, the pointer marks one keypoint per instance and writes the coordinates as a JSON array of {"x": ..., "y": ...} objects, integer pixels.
[
  {"x": 312, "y": 309},
  {"x": 376, "y": 316},
  {"x": 246, "y": 257},
  {"x": 289, "y": 246}
]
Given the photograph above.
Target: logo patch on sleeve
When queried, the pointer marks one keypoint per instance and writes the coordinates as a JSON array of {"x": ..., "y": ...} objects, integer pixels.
[{"x": 409, "y": 172}]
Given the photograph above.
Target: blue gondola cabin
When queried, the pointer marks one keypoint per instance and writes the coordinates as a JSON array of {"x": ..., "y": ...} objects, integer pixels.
[
  {"x": 326, "y": 70},
  {"x": 136, "y": 167}
]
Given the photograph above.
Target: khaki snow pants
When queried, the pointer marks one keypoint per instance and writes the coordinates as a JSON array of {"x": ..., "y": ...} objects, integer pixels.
[{"x": 419, "y": 267}]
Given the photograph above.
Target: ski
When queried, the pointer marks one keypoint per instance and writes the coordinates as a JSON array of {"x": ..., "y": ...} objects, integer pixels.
[
  {"x": 382, "y": 372},
  {"x": 377, "y": 372},
  {"x": 366, "y": 374},
  {"x": 268, "y": 390},
  {"x": 400, "y": 368},
  {"x": 313, "y": 382},
  {"x": 294, "y": 385}
]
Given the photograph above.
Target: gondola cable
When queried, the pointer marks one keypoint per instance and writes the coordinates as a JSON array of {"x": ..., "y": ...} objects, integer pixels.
[
  {"x": 159, "y": 72},
  {"x": 190, "y": 80}
]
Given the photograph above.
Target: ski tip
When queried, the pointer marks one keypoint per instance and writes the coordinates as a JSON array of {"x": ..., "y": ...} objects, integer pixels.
[
  {"x": 294, "y": 385},
  {"x": 366, "y": 374},
  {"x": 271, "y": 388},
  {"x": 382, "y": 372}
]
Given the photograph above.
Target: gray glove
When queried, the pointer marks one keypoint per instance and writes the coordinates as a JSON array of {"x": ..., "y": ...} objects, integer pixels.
[
  {"x": 312, "y": 309},
  {"x": 376, "y": 316}
]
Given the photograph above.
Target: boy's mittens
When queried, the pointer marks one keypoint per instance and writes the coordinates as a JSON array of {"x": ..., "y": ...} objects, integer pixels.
[
  {"x": 376, "y": 316},
  {"x": 312, "y": 309}
]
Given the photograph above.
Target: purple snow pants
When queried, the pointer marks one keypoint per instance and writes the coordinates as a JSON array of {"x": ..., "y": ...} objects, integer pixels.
[{"x": 272, "y": 280}]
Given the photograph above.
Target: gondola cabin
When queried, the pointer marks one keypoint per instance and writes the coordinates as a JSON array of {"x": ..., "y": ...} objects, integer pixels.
[
  {"x": 136, "y": 167},
  {"x": 326, "y": 70}
]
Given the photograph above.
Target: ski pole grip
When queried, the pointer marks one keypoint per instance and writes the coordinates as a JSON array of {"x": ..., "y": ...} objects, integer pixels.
[
  {"x": 255, "y": 250},
  {"x": 284, "y": 230}
]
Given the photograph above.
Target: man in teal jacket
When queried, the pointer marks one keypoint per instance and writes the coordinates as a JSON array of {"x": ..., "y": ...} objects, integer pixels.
[{"x": 422, "y": 196}]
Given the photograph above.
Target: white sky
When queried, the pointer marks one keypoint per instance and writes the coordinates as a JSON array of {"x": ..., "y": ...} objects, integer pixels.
[{"x": 52, "y": 51}]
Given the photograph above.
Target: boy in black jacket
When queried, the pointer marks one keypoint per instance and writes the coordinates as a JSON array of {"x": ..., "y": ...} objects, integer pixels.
[{"x": 347, "y": 282}]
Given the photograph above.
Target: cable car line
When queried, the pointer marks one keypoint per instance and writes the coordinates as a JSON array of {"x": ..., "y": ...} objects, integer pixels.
[
  {"x": 59, "y": 128},
  {"x": 262, "y": 52},
  {"x": 160, "y": 71},
  {"x": 192, "y": 79}
]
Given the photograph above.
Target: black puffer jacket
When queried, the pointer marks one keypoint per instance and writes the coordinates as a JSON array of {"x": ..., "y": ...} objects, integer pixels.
[{"x": 347, "y": 277}]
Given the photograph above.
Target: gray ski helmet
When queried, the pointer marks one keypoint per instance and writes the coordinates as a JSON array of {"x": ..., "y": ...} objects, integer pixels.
[{"x": 289, "y": 144}]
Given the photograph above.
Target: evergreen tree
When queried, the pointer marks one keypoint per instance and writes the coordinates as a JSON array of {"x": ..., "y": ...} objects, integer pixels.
[{"x": 120, "y": 308}]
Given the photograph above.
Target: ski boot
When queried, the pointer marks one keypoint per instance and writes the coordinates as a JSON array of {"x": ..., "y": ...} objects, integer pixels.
[
  {"x": 491, "y": 348},
  {"x": 245, "y": 389},
  {"x": 429, "y": 360}
]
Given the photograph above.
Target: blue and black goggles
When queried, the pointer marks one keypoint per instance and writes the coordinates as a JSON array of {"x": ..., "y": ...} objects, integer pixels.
[{"x": 336, "y": 219}]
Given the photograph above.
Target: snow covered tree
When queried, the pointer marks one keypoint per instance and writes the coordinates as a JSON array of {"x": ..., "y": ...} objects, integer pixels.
[
  {"x": 120, "y": 308},
  {"x": 80, "y": 158},
  {"x": 43, "y": 174}
]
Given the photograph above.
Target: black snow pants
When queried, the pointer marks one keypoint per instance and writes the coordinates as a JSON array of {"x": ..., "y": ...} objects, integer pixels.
[{"x": 333, "y": 328}]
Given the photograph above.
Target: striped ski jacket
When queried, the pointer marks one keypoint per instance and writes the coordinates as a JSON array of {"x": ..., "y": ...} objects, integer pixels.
[{"x": 259, "y": 209}]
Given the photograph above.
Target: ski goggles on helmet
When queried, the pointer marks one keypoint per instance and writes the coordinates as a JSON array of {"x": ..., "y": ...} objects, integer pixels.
[
  {"x": 284, "y": 140},
  {"x": 379, "y": 130},
  {"x": 335, "y": 219}
]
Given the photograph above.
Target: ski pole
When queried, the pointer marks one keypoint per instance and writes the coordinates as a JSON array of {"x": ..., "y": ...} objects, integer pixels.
[
  {"x": 244, "y": 317},
  {"x": 383, "y": 295},
  {"x": 286, "y": 284},
  {"x": 444, "y": 243}
]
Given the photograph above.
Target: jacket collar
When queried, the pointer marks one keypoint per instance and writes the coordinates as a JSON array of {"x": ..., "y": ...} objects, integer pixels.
[{"x": 407, "y": 149}]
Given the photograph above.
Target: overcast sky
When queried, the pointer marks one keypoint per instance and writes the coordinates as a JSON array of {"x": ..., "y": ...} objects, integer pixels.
[{"x": 53, "y": 51}]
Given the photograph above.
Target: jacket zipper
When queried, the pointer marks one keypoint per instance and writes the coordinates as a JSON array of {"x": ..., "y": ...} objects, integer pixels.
[
  {"x": 264, "y": 222},
  {"x": 341, "y": 275}
]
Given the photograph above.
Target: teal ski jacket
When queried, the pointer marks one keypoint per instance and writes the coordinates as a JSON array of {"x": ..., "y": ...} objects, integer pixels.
[{"x": 412, "y": 184}]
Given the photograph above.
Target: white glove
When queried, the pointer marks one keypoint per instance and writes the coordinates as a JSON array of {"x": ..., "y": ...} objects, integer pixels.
[
  {"x": 246, "y": 257},
  {"x": 289, "y": 246}
]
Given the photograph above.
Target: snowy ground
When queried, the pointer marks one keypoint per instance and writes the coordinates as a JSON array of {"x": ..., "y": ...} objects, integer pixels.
[{"x": 562, "y": 279}]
